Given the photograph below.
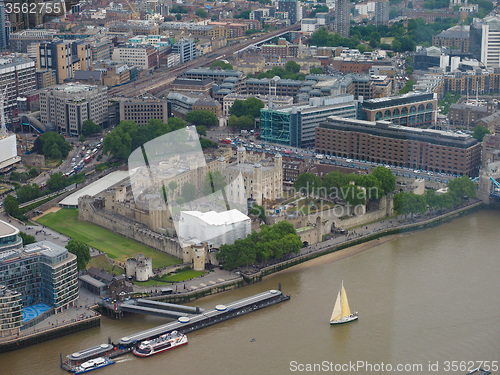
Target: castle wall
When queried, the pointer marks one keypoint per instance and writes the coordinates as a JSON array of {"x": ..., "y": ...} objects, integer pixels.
[{"x": 124, "y": 227}]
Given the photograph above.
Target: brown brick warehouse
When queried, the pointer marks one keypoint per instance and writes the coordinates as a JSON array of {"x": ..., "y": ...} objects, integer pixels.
[{"x": 384, "y": 142}]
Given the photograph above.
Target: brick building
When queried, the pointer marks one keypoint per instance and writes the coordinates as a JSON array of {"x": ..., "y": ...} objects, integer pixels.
[{"x": 384, "y": 142}]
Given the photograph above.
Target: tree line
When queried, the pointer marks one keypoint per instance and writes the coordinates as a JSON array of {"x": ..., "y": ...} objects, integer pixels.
[
  {"x": 337, "y": 185},
  {"x": 270, "y": 243},
  {"x": 459, "y": 190}
]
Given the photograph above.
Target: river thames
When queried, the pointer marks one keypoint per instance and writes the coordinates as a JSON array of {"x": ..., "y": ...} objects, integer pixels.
[{"x": 424, "y": 299}]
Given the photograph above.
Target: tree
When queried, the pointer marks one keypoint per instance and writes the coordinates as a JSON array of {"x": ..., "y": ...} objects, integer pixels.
[
  {"x": 89, "y": 127},
  {"x": 188, "y": 192},
  {"x": 307, "y": 183},
  {"x": 202, "y": 13},
  {"x": 372, "y": 185},
  {"x": 201, "y": 130},
  {"x": 178, "y": 16},
  {"x": 172, "y": 185},
  {"x": 27, "y": 238},
  {"x": 82, "y": 252},
  {"x": 292, "y": 66},
  {"x": 461, "y": 188},
  {"x": 314, "y": 70},
  {"x": 353, "y": 195},
  {"x": 480, "y": 132},
  {"x": 409, "y": 203},
  {"x": 52, "y": 145},
  {"x": 33, "y": 172},
  {"x": 27, "y": 193},
  {"x": 82, "y": 138},
  {"x": 213, "y": 181},
  {"x": 56, "y": 182},
  {"x": 222, "y": 64},
  {"x": 10, "y": 205},
  {"x": 201, "y": 117},
  {"x": 258, "y": 211},
  {"x": 385, "y": 176}
]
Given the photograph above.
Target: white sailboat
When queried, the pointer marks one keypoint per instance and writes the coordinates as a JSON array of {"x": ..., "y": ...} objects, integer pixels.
[{"x": 341, "y": 311}]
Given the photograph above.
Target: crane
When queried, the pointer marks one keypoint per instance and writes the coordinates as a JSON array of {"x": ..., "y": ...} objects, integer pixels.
[{"x": 134, "y": 12}]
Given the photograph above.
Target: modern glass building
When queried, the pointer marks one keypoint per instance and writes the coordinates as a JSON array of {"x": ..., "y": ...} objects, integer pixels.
[
  {"x": 295, "y": 125},
  {"x": 42, "y": 272}
]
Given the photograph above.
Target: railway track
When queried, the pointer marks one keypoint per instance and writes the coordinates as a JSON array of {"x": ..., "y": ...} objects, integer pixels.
[{"x": 160, "y": 80}]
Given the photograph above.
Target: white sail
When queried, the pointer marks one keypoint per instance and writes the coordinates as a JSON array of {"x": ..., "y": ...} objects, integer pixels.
[{"x": 337, "y": 309}]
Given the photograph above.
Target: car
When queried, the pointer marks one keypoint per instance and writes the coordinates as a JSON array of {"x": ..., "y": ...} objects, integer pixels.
[
  {"x": 430, "y": 173},
  {"x": 349, "y": 160},
  {"x": 416, "y": 171},
  {"x": 387, "y": 166}
]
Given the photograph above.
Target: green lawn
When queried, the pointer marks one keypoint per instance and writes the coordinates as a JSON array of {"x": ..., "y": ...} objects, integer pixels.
[
  {"x": 116, "y": 246},
  {"x": 181, "y": 276},
  {"x": 103, "y": 263}
]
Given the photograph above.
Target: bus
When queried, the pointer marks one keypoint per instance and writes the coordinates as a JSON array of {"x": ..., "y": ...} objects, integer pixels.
[
  {"x": 226, "y": 141},
  {"x": 87, "y": 159}
]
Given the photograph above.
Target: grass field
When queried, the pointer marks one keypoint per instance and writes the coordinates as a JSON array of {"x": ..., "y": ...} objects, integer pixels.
[
  {"x": 102, "y": 263},
  {"x": 116, "y": 246},
  {"x": 181, "y": 276}
]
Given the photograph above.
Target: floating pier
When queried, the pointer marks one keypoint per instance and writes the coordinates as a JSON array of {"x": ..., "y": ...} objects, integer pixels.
[
  {"x": 168, "y": 310},
  {"x": 183, "y": 324}
]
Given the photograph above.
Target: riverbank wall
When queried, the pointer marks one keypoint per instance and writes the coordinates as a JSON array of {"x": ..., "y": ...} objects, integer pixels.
[
  {"x": 432, "y": 222},
  {"x": 49, "y": 333}
]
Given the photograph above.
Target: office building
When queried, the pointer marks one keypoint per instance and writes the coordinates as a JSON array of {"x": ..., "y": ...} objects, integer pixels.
[
  {"x": 142, "y": 110},
  {"x": 186, "y": 49},
  {"x": 342, "y": 17},
  {"x": 67, "y": 107},
  {"x": 295, "y": 125},
  {"x": 64, "y": 57},
  {"x": 142, "y": 56},
  {"x": 485, "y": 41},
  {"x": 414, "y": 109},
  {"x": 384, "y": 142},
  {"x": 17, "y": 74}
]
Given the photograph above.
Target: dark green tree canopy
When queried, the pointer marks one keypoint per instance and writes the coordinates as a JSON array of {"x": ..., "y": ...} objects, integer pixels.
[
  {"x": 270, "y": 242},
  {"x": 89, "y": 127},
  {"x": 52, "y": 145},
  {"x": 249, "y": 107},
  {"x": 201, "y": 117},
  {"x": 82, "y": 252},
  {"x": 480, "y": 132},
  {"x": 127, "y": 136}
]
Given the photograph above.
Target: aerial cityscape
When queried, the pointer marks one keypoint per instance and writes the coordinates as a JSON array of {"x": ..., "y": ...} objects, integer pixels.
[{"x": 223, "y": 173}]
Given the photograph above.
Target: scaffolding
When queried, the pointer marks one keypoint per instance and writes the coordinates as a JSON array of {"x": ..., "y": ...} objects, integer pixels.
[{"x": 275, "y": 126}]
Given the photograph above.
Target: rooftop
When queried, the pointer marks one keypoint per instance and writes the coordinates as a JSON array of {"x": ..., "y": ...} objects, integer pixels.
[
  {"x": 218, "y": 218},
  {"x": 95, "y": 188},
  {"x": 7, "y": 229}
]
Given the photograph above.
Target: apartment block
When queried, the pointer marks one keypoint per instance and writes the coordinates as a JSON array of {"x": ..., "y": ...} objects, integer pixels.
[{"x": 64, "y": 57}]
